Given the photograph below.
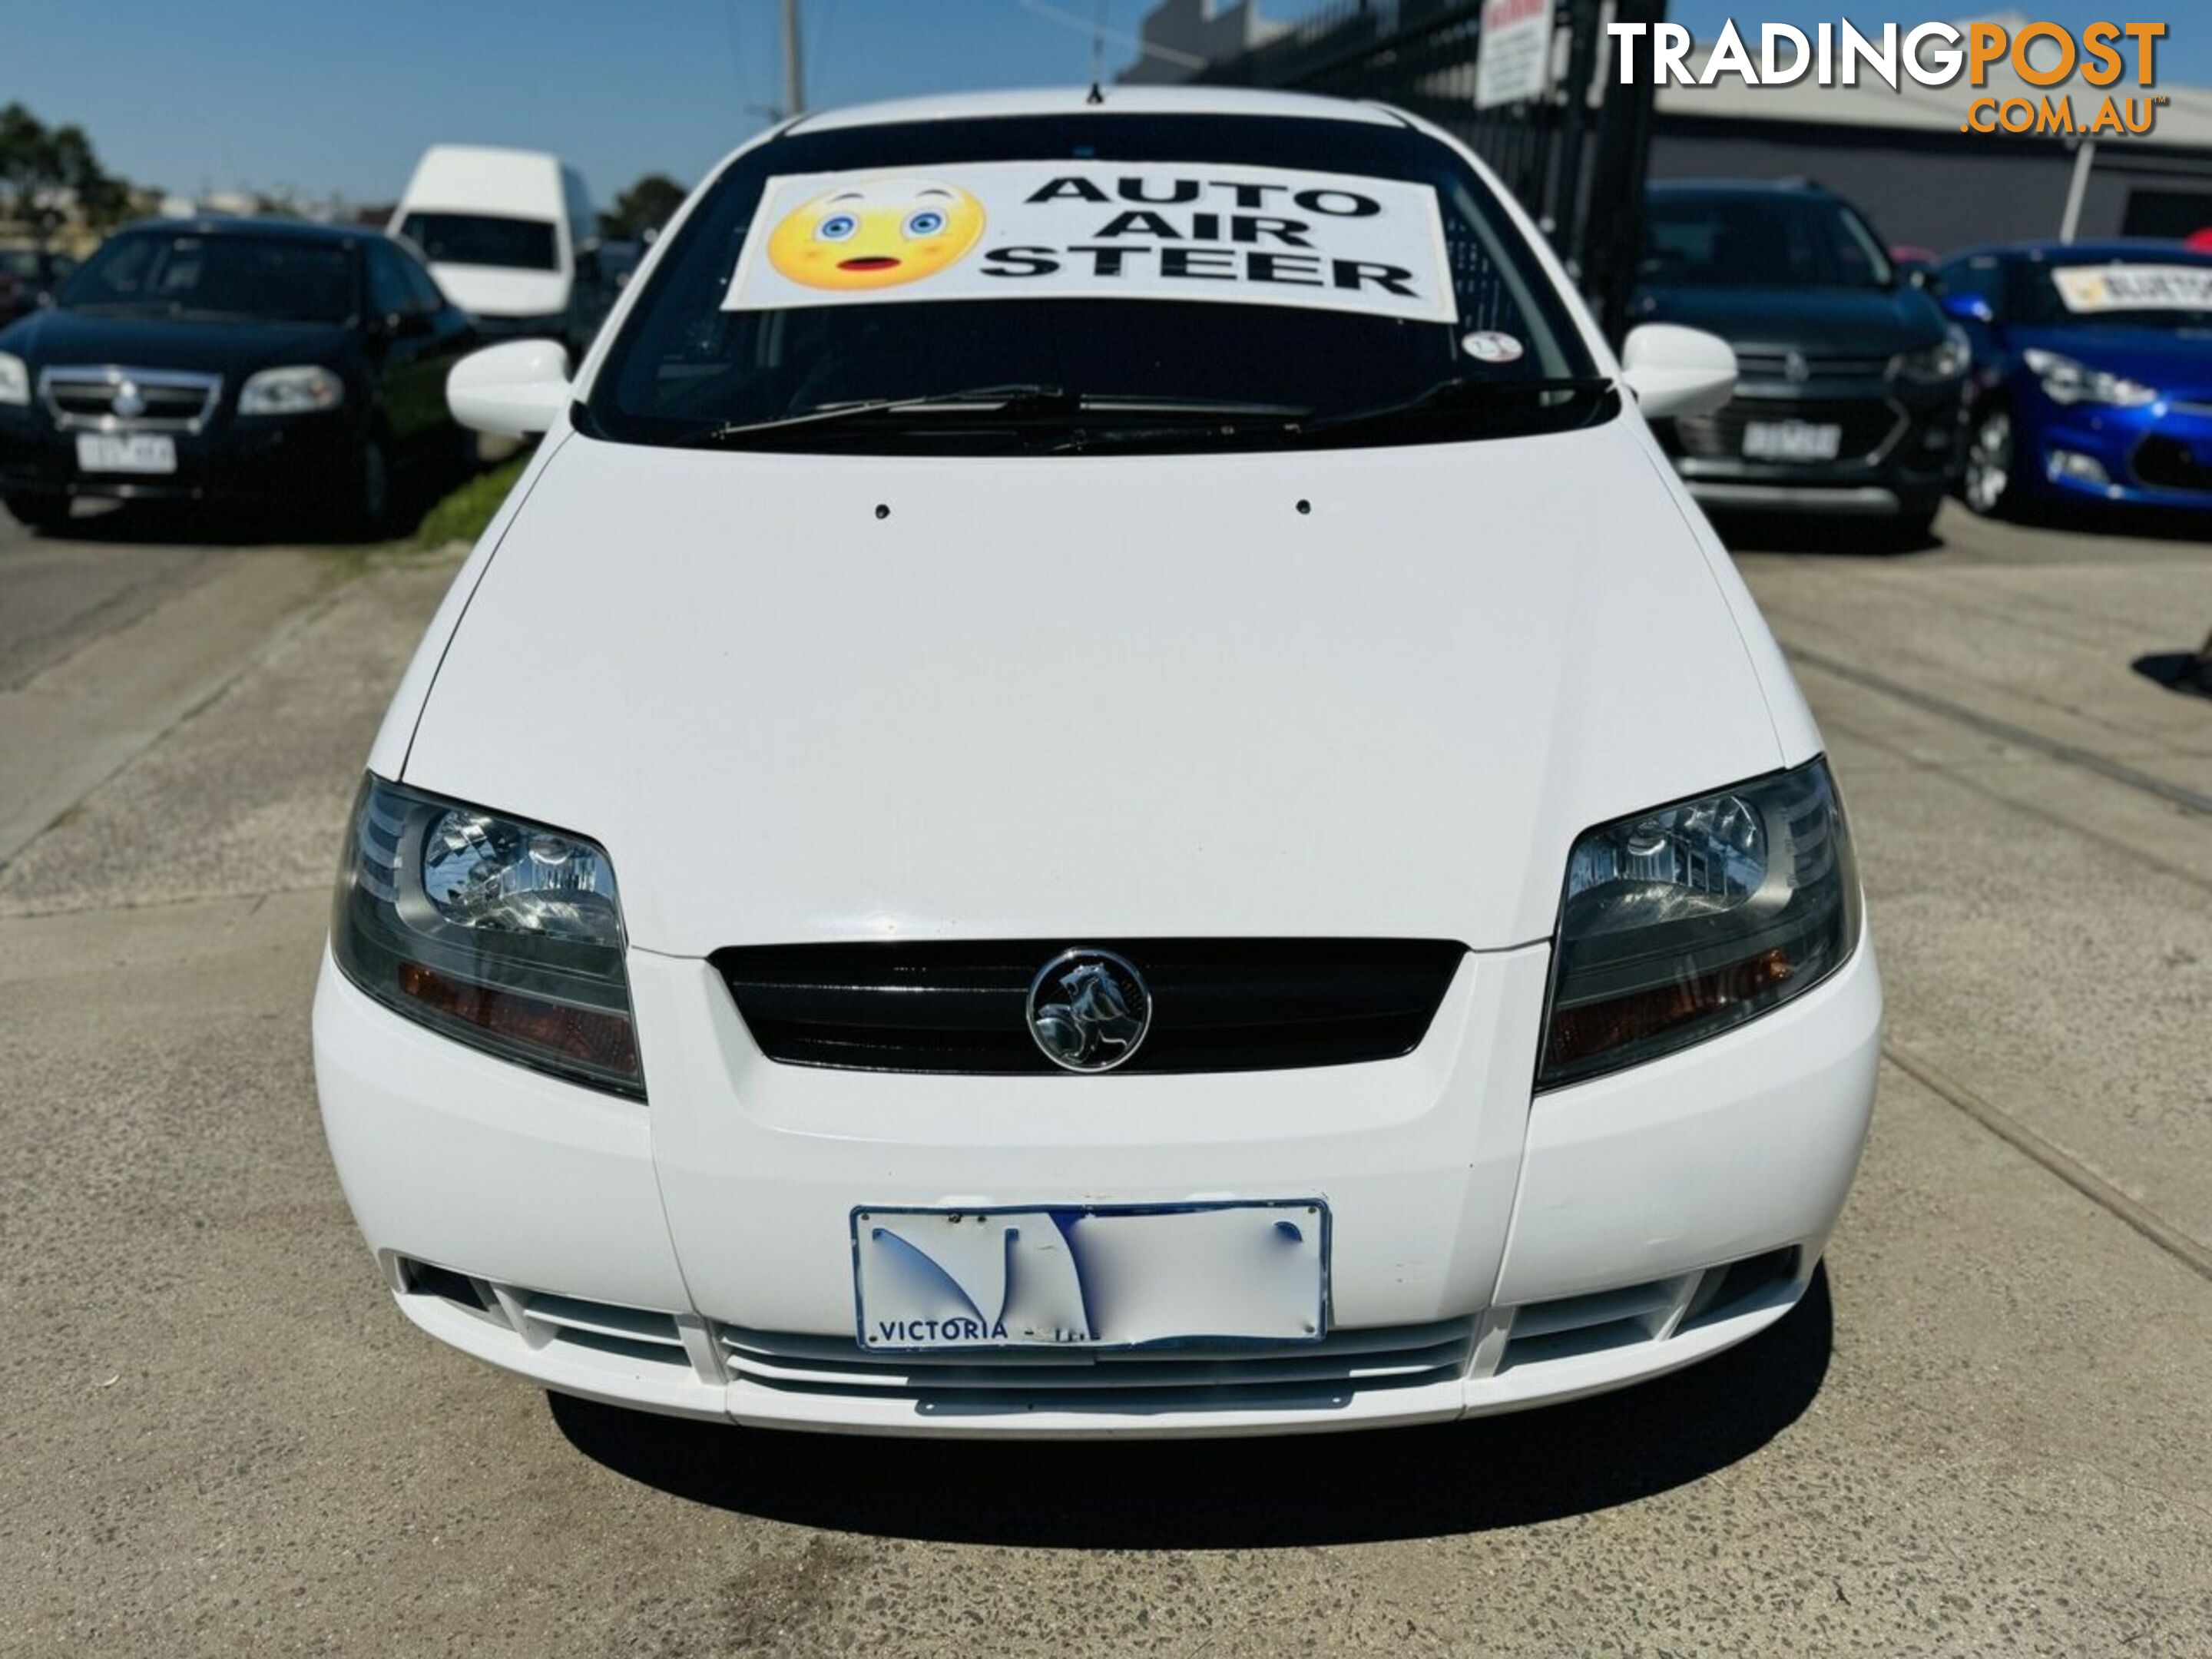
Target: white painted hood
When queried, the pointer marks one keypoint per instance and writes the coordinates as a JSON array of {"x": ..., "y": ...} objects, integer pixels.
[{"x": 1104, "y": 696}]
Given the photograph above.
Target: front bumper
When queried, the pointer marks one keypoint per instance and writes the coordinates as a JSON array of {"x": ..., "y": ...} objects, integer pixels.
[
  {"x": 1489, "y": 1251},
  {"x": 1900, "y": 448},
  {"x": 276, "y": 460},
  {"x": 1844, "y": 501},
  {"x": 2159, "y": 456}
]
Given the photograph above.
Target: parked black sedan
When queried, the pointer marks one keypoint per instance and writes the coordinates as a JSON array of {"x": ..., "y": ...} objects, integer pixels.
[
  {"x": 244, "y": 361},
  {"x": 1849, "y": 376}
]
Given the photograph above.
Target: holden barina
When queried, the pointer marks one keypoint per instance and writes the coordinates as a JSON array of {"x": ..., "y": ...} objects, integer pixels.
[{"x": 1098, "y": 783}]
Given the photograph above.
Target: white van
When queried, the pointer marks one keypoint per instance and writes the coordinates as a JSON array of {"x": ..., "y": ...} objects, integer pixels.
[{"x": 510, "y": 236}]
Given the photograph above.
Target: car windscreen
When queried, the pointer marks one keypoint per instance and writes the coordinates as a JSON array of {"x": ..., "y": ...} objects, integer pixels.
[
  {"x": 218, "y": 274},
  {"x": 1759, "y": 241},
  {"x": 2155, "y": 290},
  {"x": 483, "y": 239},
  {"x": 1161, "y": 205}
]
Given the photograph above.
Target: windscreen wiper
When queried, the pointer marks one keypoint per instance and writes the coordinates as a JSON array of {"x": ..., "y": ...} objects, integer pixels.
[
  {"x": 1017, "y": 400},
  {"x": 1022, "y": 402},
  {"x": 1456, "y": 395}
]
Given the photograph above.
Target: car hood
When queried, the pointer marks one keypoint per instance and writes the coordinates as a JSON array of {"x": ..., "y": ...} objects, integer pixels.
[
  {"x": 813, "y": 698},
  {"x": 498, "y": 291},
  {"x": 1830, "y": 321},
  {"x": 2178, "y": 362},
  {"x": 229, "y": 348}
]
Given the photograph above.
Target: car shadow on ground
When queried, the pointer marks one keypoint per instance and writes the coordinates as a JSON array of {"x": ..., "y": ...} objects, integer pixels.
[
  {"x": 2143, "y": 523},
  {"x": 1845, "y": 536},
  {"x": 1488, "y": 1472},
  {"x": 198, "y": 524},
  {"x": 1872, "y": 537},
  {"x": 2186, "y": 671}
]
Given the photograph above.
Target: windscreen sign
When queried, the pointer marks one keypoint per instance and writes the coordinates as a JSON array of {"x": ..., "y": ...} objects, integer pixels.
[
  {"x": 2090, "y": 290},
  {"x": 1080, "y": 229}
]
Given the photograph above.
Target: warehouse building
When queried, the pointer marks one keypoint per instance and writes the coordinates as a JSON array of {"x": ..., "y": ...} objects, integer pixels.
[
  {"x": 1903, "y": 158},
  {"x": 1902, "y": 155}
]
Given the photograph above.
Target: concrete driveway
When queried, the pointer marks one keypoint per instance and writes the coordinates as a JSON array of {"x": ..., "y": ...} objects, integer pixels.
[{"x": 1989, "y": 1432}]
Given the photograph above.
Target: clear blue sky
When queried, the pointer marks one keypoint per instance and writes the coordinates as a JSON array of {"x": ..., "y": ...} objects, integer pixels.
[{"x": 319, "y": 94}]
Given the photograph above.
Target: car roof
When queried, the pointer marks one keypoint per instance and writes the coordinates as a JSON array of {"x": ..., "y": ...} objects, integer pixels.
[
  {"x": 2123, "y": 247},
  {"x": 290, "y": 230},
  {"x": 486, "y": 179},
  {"x": 1111, "y": 100}
]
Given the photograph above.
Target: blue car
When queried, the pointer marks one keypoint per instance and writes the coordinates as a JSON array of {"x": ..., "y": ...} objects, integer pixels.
[{"x": 2093, "y": 375}]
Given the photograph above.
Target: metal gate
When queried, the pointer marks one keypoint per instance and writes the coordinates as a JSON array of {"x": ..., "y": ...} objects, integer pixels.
[{"x": 1574, "y": 157}]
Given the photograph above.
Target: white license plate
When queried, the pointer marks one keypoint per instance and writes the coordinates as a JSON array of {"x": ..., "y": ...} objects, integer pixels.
[
  {"x": 1086, "y": 1277},
  {"x": 1791, "y": 441},
  {"x": 102, "y": 452}
]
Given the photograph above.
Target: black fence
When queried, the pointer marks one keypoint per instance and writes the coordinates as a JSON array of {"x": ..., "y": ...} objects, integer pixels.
[{"x": 1575, "y": 158}]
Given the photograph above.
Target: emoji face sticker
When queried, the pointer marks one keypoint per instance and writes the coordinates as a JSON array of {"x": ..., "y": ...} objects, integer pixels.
[{"x": 880, "y": 234}]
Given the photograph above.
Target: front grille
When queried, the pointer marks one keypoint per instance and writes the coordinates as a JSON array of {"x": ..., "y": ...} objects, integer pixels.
[
  {"x": 1869, "y": 427},
  {"x": 2169, "y": 464},
  {"x": 1192, "y": 1376},
  {"x": 1218, "y": 1004},
  {"x": 112, "y": 398},
  {"x": 1773, "y": 363}
]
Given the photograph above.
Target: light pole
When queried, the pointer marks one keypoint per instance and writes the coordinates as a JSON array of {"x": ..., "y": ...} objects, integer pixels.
[{"x": 794, "y": 83}]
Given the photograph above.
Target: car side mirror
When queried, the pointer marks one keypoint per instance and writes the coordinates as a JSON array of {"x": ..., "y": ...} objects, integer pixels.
[
  {"x": 1675, "y": 371},
  {"x": 1968, "y": 308},
  {"x": 409, "y": 324},
  {"x": 514, "y": 390},
  {"x": 1918, "y": 273}
]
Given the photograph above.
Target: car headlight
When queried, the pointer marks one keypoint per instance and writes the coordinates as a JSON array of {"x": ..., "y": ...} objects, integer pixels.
[
  {"x": 300, "y": 389},
  {"x": 1946, "y": 360},
  {"x": 14, "y": 380},
  {"x": 499, "y": 934},
  {"x": 1679, "y": 923},
  {"x": 2065, "y": 381}
]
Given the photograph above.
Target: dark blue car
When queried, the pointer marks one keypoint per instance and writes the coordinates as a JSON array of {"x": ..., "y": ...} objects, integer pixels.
[{"x": 2093, "y": 375}]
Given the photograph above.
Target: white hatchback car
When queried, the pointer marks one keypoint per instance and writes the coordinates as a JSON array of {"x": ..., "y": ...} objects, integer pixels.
[{"x": 1099, "y": 784}]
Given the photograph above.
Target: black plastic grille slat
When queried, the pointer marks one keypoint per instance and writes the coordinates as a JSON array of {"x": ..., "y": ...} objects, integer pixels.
[
  {"x": 1755, "y": 364},
  {"x": 1218, "y": 1004}
]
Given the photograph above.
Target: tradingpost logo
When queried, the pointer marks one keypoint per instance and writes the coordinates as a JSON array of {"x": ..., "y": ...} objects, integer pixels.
[{"x": 2112, "y": 65}]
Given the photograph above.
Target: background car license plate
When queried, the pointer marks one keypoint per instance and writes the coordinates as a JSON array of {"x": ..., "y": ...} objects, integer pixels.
[
  {"x": 1089, "y": 1277},
  {"x": 1791, "y": 441},
  {"x": 102, "y": 452}
]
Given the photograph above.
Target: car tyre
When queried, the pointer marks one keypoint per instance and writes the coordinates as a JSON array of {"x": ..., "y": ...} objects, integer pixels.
[
  {"x": 1989, "y": 485},
  {"x": 367, "y": 513},
  {"x": 37, "y": 511}
]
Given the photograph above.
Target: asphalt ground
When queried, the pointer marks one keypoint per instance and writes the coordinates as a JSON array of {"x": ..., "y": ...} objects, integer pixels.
[{"x": 1988, "y": 1431}]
